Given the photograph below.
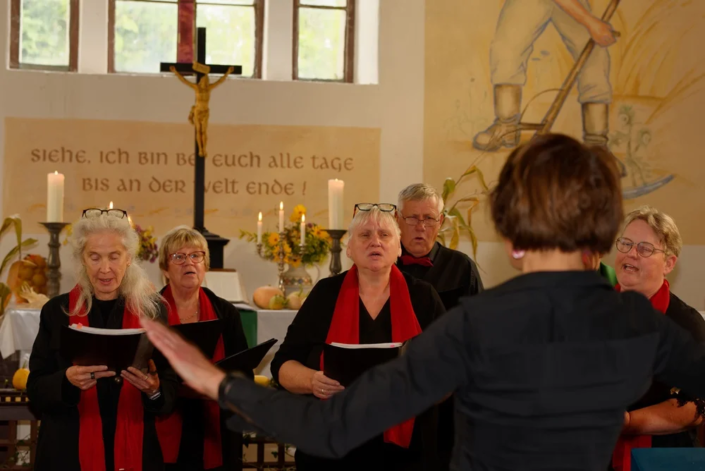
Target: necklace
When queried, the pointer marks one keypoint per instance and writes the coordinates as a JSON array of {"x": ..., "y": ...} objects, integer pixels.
[{"x": 191, "y": 317}]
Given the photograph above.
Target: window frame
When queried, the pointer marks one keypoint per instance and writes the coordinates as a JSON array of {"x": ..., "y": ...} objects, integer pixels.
[
  {"x": 349, "y": 53},
  {"x": 16, "y": 27},
  {"x": 259, "y": 35}
]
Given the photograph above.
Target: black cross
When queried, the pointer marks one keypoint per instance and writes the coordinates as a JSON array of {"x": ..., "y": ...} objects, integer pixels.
[{"x": 215, "y": 242}]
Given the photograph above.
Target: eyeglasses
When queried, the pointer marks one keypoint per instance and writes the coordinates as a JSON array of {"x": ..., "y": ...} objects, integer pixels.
[
  {"x": 384, "y": 207},
  {"x": 643, "y": 249},
  {"x": 427, "y": 222},
  {"x": 97, "y": 212},
  {"x": 179, "y": 258}
]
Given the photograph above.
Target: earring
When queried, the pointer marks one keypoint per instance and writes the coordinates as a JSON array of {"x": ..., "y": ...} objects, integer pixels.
[{"x": 518, "y": 254}]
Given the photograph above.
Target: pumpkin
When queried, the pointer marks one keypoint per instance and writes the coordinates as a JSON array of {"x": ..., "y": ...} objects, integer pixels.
[
  {"x": 295, "y": 300},
  {"x": 263, "y": 295},
  {"x": 31, "y": 270},
  {"x": 277, "y": 302}
]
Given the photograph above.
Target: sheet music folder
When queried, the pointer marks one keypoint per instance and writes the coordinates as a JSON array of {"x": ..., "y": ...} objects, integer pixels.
[
  {"x": 345, "y": 362},
  {"x": 247, "y": 360},
  {"x": 118, "y": 349}
]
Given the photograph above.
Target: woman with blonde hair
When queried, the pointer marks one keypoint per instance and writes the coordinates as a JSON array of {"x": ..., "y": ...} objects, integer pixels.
[
  {"x": 647, "y": 251},
  {"x": 194, "y": 436},
  {"x": 93, "y": 419}
]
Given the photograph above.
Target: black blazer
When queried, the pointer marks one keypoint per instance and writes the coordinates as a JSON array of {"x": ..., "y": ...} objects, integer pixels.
[
  {"x": 453, "y": 275},
  {"x": 543, "y": 367},
  {"x": 56, "y": 400},
  {"x": 691, "y": 320}
]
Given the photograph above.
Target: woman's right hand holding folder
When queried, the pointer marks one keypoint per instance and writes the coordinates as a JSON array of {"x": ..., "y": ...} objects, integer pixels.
[
  {"x": 85, "y": 377},
  {"x": 323, "y": 387}
]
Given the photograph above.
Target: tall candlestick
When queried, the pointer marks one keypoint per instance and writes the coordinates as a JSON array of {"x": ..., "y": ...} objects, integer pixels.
[
  {"x": 281, "y": 216},
  {"x": 335, "y": 204},
  {"x": 303, "y": 229},
  {"x": 259, "y": 228},
  {"x": 55, "y": 197}
]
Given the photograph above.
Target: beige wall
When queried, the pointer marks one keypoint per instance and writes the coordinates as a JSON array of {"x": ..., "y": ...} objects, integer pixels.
[{"x": 395, "y": 106}]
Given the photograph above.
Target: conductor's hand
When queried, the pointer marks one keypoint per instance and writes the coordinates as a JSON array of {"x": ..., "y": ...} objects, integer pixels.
[
  {"x": 195, "y": 369},
  {"x": 85, "y": 377},
  {"x": 323, "y": 387},
  {"x": 147, "y": 383},
  {"x": 602, "y": 33}
]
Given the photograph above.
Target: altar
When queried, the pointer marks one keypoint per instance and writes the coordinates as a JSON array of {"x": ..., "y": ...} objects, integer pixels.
[{"x": 19, "y": 328}]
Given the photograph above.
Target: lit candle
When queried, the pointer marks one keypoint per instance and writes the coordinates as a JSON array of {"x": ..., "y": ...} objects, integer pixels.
[
  {"x": 259, "y": 228},
  {"x": 110, "y": 206},
  {"x": 335, "y": 204},
  {"x": 129, "y": 219},
  {"x": 281, "y": 216},
  {"x": 55, "y": 197},
  {"x": 303, "y": 229}
]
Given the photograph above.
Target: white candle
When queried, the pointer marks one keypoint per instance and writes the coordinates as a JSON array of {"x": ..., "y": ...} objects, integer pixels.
[
  {"x": 110, "y": 206},
  {"x": 55, "y": 197},
  {"x": 335, "y": 204},
  {"x": 303, "y": 229},
  {"x": 259, "y": 228},
  {"x": 281, "y": 216}
]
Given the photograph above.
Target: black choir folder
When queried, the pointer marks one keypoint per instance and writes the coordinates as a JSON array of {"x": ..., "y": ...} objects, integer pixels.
[
  {"x": 121, "y": 348},
  {"x": 118, "y": 349},
  {"x": 345, "y": 362},
  {"x": 246, "y": 360}
]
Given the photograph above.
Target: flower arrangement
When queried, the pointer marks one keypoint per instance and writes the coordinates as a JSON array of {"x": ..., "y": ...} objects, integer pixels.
[
  {"x": 317, "y": 241},
  {"x": 147, "y": 251}
]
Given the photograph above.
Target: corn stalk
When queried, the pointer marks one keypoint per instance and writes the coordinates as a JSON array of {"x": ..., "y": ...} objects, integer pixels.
[{"x": 456, "y": 224}]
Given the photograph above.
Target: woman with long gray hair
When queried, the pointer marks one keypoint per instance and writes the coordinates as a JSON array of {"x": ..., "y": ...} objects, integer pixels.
[{"x": 92, "y": 418}]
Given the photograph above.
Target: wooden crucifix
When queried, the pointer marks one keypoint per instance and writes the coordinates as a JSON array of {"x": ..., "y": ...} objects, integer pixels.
[{"x": 199, "y": 118}]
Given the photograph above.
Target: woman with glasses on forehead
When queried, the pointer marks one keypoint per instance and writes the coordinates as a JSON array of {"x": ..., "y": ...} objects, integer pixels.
[
  {"x": 647, "y": 251},
  {"x": 94, "y": 419},
  {"x": 373, "y": 302},
  {"x": 193, "y": 437}
]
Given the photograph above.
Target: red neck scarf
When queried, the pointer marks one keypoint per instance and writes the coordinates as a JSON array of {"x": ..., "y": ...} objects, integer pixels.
[
  {"x": 345, "y": 328},
  {"x": 129, "y": 430},
  {"x": 169, "y": 428},
  {"x": 622, "y": 456}
]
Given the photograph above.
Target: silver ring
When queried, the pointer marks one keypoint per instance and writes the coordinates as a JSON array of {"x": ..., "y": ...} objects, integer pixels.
[
  {"x": 323, "y": 391},
  {"x": 92, "y": 375},
  {"x": 146, "y": 377}
]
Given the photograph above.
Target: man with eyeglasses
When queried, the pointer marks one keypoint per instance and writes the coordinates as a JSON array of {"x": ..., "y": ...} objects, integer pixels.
[{"x": 452, "y": 273}]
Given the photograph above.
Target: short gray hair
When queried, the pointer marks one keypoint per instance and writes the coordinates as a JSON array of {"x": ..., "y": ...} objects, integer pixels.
[
  {"x": 139, "y": 293},
  {"x": 663, "y": 226},
  {"x": 361, "y": 217},
  {"x": 419, "y": 192}
]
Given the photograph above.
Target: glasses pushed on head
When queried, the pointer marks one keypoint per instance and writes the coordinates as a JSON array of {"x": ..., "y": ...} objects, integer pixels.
[
  {"x": 97, "y": 212},
  {"x": 384, "y": 207},
  {"x": 643, "y": 249}
]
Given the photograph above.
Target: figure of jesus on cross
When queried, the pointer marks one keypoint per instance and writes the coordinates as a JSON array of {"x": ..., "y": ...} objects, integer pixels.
[
  {"x": 199, "y": 111},
  {"x": 199, "y": 118}
]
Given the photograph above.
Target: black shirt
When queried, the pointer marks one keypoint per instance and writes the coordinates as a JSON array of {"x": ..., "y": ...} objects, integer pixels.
[
  {"x": 304, "y": 343},
  {"x": 543, "y": 366},
  {"x": 453, "y": 274}
]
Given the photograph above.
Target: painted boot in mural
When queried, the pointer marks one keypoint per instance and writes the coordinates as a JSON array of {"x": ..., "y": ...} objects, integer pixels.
[
  {"x": 504, "y": 132},
  {"x": 596, "y": 128}
]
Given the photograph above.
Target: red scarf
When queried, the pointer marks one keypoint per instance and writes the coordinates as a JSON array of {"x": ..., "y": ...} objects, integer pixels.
[
  {"x": 169, "y": 428},
  {"x": 129, "y": 429},
  {"x": 345, "y": 328},
  {"x": 622, "y": 456}
]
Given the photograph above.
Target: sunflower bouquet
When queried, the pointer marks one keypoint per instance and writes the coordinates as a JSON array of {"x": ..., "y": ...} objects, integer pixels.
[{"x": 316, "y": 248}]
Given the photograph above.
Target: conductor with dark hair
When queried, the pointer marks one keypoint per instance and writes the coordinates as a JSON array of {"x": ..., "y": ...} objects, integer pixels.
[{"x": 543, "y": 366}]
